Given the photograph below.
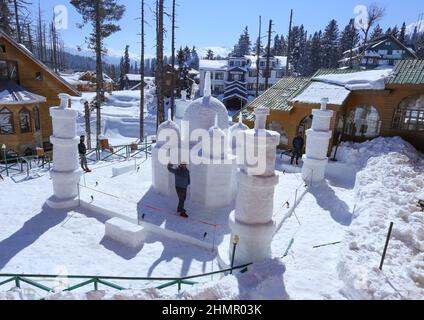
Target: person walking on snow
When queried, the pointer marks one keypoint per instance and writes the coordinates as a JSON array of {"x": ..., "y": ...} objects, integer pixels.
[
  {"x": 298, "y": 144},
  {"x": 82, "y": 150},
  {"x": 182, "y": 182}
]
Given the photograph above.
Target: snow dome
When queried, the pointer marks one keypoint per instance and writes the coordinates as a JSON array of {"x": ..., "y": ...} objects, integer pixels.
[{"x": 201, "y": 113}]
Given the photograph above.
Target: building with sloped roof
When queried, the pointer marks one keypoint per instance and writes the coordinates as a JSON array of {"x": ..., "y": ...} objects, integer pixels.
[
  {"x": 366, "y": 104},
  {"x": 28, "y": 89}
]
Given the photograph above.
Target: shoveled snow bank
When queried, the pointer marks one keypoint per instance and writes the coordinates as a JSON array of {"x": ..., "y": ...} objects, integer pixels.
[
  {"x": 387, "y": 190},
  {"x": 263, "y": 281}
]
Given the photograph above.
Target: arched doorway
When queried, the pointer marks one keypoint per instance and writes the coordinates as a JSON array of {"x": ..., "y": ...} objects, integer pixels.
[
  {"x": 409, "y": 115},
  {"x": 363, "y": 121},
  {"x": 305, "y": 125}
]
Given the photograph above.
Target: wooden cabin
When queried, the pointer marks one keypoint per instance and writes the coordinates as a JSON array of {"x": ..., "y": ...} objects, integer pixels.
[
  {"x": 87, "y": 81},
  {"x": 395, "y": 109},
  {"x": 27, "y": 90}
]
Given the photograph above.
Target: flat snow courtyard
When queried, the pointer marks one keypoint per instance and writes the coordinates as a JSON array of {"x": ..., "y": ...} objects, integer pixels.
[{"x": 327, "y": 248}]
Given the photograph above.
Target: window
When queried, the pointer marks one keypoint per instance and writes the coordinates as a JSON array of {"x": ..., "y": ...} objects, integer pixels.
[
  {"x": 8, "y": 70},
  {"x": 250, "y": 86},
  {"x": 262, "y": 64},
  {"x": 252, "y": 73},
  {"x": 409, "y": 115},
  {"x": 363, "y": 121},
  {"x": 25, "y": 120},
  {"x": 36, "y": 112},
  {"x": 6, "y": 122},
  {"x": 279, "y": 74},
  {"x": 231, "y": 63},
  {"x": 2, "y": 48},
  {"x": 219, "y": 76},
  {"x": 38, "y": 76}
]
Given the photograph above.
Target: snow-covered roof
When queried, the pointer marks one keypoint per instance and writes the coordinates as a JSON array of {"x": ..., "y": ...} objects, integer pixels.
[
  {"x": 213, "y": 64},
  {"x": 12, "y": 93},
  {"x": 133, "y": 77},
  {"x": 313, "y": 94},
  {"x": 364, "y": 80}
]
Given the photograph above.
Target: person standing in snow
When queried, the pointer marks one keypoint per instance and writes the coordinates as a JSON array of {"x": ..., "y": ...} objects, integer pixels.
[
  {"x": 82, "y": 150},
  {"x": 298, "y": 144},
  {"x": 182, "y": 182}
]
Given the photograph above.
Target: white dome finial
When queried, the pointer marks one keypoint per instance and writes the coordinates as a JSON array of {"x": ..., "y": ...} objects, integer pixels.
[{"x": 208, "y": 87}]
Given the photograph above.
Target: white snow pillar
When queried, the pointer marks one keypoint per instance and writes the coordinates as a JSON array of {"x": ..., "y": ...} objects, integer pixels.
[
  {"x": 66, "y": 172},
  {"x": 317, "y": 143},
  {"x": 252, "y": 221}
]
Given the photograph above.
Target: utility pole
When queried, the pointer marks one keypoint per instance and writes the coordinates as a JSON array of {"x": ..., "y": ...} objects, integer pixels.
[
  {"x": 173, "y": 61},
  {"x": 142, "y": 75},
  {"x": 268, "y": 56},
  {"x": 258, "y": 56},
  {"x": 289, "y": 44}
]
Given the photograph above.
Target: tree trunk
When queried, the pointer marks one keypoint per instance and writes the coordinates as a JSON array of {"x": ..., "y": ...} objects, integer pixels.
[
  {"x": 268, "y": 56},
  {"x": 173, "y": 61},
  {"x": 289, "y": 44},
  {"x": 18, "y": 27},
  {"x": 99, "y": 73},
  {"x": 159, "y": 63},
  {"x": 142, "y": 75}
]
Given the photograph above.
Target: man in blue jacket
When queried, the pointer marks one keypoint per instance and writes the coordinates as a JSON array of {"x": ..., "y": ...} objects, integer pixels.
[
  {"x": 182, "y": 181},
  {"x": 298, "y": 144}
]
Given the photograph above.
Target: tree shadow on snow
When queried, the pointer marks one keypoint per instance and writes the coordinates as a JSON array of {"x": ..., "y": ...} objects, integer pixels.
[
  {"x": 30, "y": 232},
  {"x": 328, "y": 201}
]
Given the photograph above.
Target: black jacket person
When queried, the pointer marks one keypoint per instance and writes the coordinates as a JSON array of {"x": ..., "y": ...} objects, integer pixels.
[{"x": 182, "y": 181}]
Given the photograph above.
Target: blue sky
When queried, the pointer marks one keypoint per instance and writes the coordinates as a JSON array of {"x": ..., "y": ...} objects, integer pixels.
[{"x": 219, "y": 23}]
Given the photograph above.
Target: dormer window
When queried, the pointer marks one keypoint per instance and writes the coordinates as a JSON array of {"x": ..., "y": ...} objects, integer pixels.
[
  {"x": 2, "y": 48},
  {"x": 38, "y": 76}
]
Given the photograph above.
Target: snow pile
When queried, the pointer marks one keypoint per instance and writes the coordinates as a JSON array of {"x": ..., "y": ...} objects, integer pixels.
[
  {"x": 263, "y": 281},
  {"x": 365, "y": 80},
  {"x": 358, "y": 154},
  {"x": 387, "y": 190}
]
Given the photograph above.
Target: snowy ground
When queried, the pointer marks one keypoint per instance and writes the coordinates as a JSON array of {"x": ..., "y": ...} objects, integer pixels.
[{"x": 372, "y": 184}]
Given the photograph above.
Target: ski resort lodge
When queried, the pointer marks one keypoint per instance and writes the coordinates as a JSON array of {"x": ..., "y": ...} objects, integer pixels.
[
  {"x": 234, "y": 80},
  {"x": 27, "y": 90},
  {"x": 367, "y": 104}
]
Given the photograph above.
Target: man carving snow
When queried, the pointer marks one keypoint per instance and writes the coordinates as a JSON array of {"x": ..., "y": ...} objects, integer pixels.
[{"x": 182, "y": 182}]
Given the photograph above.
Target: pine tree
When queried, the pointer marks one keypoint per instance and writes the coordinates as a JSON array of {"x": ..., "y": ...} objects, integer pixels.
[
  {"x": 127, "y": 61},
  {"x": 349, "y": 40},
  {"x": 195, "y": 61},
  {"x": 297, "y": 45},
  {"x": 330, "y": 45},
  {"x": 280, "y": 46},
  {"x": 100, "y": 14},
  {"x": 210, "y": 55},
  {"x": 181, "y": 59},
  {"x": 377, "y": 32},
  {"x": 242, "y": 48},
  {"x": 315, "y": 56},
  {"x": 6, "y": 17},
  {"x": 402, "y": 34}
]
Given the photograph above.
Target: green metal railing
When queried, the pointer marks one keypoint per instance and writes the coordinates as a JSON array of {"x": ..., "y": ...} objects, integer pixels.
[
  {"x": 135, "y": 150},
  {"x": 106, "y": 281},
  {"x": 24, "y": 164}
]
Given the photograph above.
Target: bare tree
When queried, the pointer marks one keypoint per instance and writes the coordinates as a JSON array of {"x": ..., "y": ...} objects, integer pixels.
[
  {"x": 173, "y": 61},
  {"x": 159, "y": 61},
  {"x": 375, "y": 13}
]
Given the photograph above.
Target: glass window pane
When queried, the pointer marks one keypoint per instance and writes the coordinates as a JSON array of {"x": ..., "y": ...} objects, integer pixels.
[
  {"x": 25, "y": 121},
  {"x": 3, "y": 70},
  {"x": 6, "y": 122}
]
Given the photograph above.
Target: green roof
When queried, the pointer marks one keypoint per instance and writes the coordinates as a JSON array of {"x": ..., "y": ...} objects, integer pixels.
[
  {"x": 278, "y": 96},
  {"x": 408, "y": 72}
]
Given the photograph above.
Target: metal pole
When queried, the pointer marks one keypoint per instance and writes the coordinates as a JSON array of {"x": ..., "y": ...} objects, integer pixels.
[
  {"x": 5, "y": 161},
  {"x": 386, "y": 246},
  {"x": 233, "y": 257}
]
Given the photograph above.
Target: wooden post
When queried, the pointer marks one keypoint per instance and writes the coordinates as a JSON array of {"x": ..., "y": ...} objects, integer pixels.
[
  {"x": 289, "y": 44},
  {"x": 386, "y": 246}
]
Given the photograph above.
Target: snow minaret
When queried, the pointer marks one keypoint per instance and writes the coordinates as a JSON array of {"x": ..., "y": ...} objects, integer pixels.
[
  {"x": 252, "y": 221},
  {"x": 163, "y": 182},
  {"x": 66, "y": 172},
  {"x": 317, "y": 143}
]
